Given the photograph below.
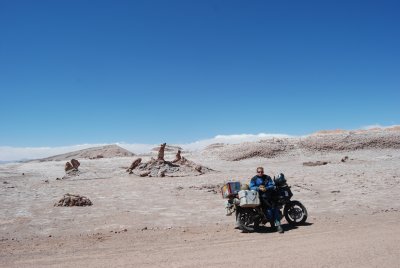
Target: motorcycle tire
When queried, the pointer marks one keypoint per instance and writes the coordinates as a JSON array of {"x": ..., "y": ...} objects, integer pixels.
[
  {"x": 246, "y": 221},
  {"x": 295, "y": 213}
]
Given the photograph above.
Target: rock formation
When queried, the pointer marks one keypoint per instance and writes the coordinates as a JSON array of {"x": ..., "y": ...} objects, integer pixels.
[
  {"x": 68, "y": 166},
  {"x": 71, "y": 169},
  {"x": 134, "y": 165},
  {"x": 162, "y": 168},
  {"x": 161, "y": 152},
  {"x": 75, "y": 163},
  {"x": 178, "y": 157},
  {"x": 70, "y": 200}
]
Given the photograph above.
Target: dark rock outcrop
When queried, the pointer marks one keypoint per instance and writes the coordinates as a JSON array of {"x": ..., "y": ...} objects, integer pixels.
[{"x": 70, "y": 200}]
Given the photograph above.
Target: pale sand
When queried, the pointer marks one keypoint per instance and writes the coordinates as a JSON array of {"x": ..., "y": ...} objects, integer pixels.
[{"x": 354, "y": 213}]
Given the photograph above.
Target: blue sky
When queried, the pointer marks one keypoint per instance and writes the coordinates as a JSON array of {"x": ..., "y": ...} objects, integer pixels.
[{"x": 76, "y": 72}]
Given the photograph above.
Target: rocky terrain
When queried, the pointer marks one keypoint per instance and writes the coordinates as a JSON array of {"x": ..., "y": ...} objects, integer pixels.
[
  {"x": 337, "y": 141},
  {"x": 349, "y": 182}
]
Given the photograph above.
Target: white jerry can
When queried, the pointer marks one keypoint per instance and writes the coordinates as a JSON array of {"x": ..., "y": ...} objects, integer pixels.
[{"x": 249, "y": 199}]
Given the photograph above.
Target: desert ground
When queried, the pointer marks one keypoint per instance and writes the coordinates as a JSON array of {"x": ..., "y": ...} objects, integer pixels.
[{"x": 353, "y": 206}]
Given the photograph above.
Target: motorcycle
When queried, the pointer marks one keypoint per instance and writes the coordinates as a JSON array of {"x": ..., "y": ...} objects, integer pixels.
[{"x": 250, "y": 214}]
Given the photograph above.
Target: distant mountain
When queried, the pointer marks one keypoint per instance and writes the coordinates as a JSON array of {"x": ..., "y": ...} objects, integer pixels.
[
  {"x": 6, "y": 162},
  {"x": 15, "y": 161},
  {"x": 107, "y": 151}
]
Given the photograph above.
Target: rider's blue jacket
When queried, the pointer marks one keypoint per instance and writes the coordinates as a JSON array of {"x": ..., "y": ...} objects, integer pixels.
[
  {"x": 255, "y": 182},
  {"x": 265, "y": 180}
]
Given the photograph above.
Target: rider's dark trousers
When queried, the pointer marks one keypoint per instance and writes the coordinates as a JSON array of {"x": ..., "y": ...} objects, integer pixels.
[{"x": 271, "y": 211}]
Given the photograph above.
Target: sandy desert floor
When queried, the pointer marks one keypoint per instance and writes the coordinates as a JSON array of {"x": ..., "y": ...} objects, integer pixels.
[{"x": 354, "y": 214}]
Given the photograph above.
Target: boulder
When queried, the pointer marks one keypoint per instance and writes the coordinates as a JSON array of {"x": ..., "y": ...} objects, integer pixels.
[
  {"x": 144, "y": 173},
  {"x": 134, "y": 165},
  {"x": 68, "y": 166},
  {"x": 70, "y": 200},
  {"x": 75, "y": 163}
]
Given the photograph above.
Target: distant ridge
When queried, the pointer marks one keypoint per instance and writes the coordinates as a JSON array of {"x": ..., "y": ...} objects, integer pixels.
[
  {"x": 6, "y": 162},
  {"x": 107, "y": 151},
  {"x": 330, "y": 132},
  {"x": 322, "y": 141},
  {"x": 356, "y": 131}
]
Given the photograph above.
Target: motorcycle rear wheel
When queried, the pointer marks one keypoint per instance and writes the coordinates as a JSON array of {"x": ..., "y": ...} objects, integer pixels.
[
  {"x": 247, "y": 220},
  {"x": 295, "y": 213}
]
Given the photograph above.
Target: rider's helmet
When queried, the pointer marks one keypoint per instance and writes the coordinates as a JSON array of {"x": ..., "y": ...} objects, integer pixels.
[{"x": 280, "y": 179}]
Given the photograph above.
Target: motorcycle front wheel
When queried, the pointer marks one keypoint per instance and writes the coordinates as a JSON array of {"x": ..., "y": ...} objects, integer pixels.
[
  {"x": 247, "y": 219},
  {"x": 295, "y": 213}
]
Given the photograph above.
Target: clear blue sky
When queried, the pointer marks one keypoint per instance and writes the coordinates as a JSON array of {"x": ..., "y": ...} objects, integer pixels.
[{"x": 74, "y": 72}]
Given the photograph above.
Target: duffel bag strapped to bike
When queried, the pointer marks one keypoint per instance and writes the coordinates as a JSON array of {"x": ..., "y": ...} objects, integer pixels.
[
  {"x": 230, "y": 188},
  {"x": 249, "y": 199}
]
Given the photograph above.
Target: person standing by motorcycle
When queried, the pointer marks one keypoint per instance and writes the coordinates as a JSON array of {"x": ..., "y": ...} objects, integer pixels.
[{"x": 265, "y": 187}]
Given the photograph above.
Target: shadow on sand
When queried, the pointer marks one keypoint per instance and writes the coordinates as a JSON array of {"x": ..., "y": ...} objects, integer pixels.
[{"x": 286, "y": 227}]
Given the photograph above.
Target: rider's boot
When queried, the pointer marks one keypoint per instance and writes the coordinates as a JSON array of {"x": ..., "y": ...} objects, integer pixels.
[{"x": 278, "y": 226}]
